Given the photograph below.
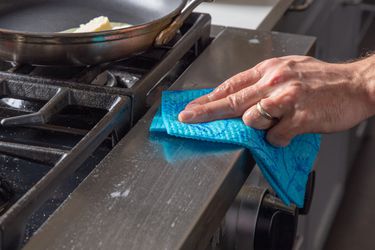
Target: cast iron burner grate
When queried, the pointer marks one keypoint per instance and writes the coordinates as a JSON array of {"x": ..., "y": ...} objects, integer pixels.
[{"x": 56, "y": 163}]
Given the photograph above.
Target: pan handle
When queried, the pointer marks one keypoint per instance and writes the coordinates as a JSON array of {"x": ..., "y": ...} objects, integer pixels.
[{"x": 168, "y": 33}]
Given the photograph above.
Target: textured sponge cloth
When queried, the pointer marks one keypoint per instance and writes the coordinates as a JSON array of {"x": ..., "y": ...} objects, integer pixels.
[{"x": 286, "y": 169}]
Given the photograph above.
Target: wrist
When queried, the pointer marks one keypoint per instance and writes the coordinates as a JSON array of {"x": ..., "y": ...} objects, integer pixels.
[{"x": 364, "y": 79}]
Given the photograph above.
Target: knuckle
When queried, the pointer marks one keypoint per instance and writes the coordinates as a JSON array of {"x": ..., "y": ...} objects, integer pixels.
[
  {"x": 233, "y": 103},
  {"x": 242, "y": 75},
  {"x": 203, "y": 111},
  {"x": 304, "y": 118},
  {"x": 276, "y": 78},
  {"x": 290, "y": 63},
  {"x": 236, "y": 80},
  {"x": 275, "y": 60},
  {"x": 298, "y": 85},
  {"x": 278, "y": 75},
  {"x": 257, "y": 72},
  {"x": 301, "y": 119},
  {"x": 293, "y": 93},
  {"x": 295, "y": 90},
  {"x": 270, "y": 104},
  {"x": 228, "y": 88},
  {"x": 288, "y": 100},
  {"x": 257, "y": 90},
  {"x": 269, "y": 63},
  {"x": 220, "y": 89},
  {"x": 247, "y": 76}
]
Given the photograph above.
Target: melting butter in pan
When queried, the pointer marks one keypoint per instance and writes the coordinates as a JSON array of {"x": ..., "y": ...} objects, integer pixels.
[{"x": 101, "y": 23}]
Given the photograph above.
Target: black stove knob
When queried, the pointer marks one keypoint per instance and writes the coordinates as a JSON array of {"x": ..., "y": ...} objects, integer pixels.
[
  {"x": 258, "y": 220},
  {"x": 275, "y": 230}
]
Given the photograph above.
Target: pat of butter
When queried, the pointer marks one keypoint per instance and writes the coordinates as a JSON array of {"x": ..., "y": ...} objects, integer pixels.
[{"x": 97, "y": 24}]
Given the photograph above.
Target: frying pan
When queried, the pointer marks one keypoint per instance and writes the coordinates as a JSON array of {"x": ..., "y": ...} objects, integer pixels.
[{"x": 29, "y": 29}]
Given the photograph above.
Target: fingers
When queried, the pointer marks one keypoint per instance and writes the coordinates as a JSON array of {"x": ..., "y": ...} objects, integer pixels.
[
  {"x": 253, "y": 117},
  {"x": 280, "y": 85},
  {"x": 294, "y": 124},
  {"x": 215, "y": 110},
  {"x": 264, "y": 74},
  {"x": 231, "y": 106},
  {"x": 230, "y": 86},
  {"x": 281, "y": 134}
]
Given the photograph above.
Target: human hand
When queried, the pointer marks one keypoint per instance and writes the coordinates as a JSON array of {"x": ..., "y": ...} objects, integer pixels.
[{"x": 304, "y": 94}]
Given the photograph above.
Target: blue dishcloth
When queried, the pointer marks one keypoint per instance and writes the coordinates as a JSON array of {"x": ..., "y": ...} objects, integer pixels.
[{"x": 285, "y": 168}]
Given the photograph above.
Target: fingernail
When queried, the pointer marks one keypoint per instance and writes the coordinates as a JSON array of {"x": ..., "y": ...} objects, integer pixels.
[
  {"x": 186, "y": 116},
  {"x": 246, "y": 120},
  {"x": 247, "y": 115}
]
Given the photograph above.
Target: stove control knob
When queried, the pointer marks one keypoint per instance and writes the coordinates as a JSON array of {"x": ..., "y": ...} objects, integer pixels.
[
  {"x": 258, "y": 220},
  {"x": 276, "y": 225}
]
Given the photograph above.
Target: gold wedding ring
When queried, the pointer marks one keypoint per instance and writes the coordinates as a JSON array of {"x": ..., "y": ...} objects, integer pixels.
[{"x": 264, "y": 113}]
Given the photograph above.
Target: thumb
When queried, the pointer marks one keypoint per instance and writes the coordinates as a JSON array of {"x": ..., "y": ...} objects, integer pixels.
[{"x": 282, "y": 133}]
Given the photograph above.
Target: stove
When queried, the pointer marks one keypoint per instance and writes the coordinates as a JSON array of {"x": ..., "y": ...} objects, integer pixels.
[
  {"x": 58, "y": 123},
  {"x": 75, "y": 149}
]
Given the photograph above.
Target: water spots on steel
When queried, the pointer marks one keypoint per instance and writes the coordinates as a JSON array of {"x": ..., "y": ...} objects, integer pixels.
[
  {"x": 115, "y": 194},
  {"x": 119, "y": 194}
]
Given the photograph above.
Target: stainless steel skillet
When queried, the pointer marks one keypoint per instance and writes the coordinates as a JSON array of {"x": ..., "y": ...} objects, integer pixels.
[{"x": 29, "y": 29}]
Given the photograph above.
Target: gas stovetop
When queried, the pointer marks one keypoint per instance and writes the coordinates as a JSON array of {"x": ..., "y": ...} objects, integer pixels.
[{"x": 59, "y": 123}]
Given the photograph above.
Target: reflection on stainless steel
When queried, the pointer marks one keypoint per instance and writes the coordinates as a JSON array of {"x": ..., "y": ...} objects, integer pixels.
[
  {"x": 27, "y": 106},
  {"x": 129, "y": 82},
  {"x": 14, "y": 103},
  {"x": 168, "y": 33}
]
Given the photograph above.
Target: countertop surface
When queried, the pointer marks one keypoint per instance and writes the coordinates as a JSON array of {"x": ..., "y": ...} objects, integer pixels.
[{"x": 249, "y": 14}]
